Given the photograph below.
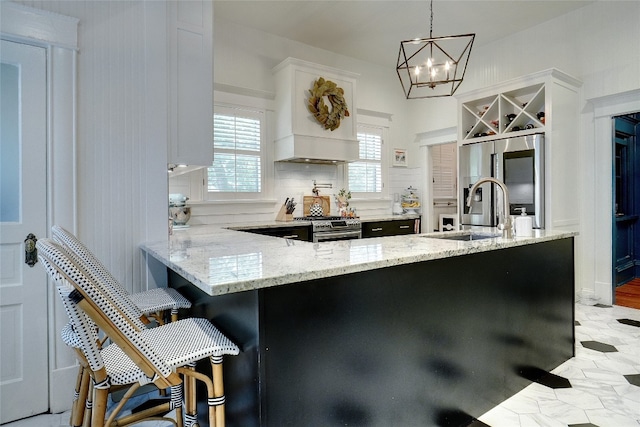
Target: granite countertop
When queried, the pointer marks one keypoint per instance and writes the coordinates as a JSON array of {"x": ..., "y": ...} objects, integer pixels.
[{"x": 221, "y": 261}]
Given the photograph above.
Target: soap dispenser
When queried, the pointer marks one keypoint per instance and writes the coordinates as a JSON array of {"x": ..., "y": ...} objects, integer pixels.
[{"x": 524, "y": 224}]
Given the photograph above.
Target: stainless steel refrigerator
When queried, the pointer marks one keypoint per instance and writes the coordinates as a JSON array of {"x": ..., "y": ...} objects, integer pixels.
[{"x": 519, "y": 163}]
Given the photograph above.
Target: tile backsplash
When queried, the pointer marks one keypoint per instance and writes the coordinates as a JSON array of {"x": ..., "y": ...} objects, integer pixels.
[{"x": 289, "y": 180}]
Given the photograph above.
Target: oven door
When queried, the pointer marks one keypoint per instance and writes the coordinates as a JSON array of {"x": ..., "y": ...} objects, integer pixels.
[{"x": 332, "y": 236}]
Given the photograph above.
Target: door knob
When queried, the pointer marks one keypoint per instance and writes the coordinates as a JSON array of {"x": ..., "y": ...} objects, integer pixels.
[{"x": 30, "y": 250}]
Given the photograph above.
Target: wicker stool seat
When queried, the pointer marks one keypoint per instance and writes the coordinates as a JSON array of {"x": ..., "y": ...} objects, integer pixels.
[
  {"x": 157, "y": 300},
  {"x": 69, "y": 336},
  {"x": 159, "y": 354},
  {"x": 150, "y": 303}
]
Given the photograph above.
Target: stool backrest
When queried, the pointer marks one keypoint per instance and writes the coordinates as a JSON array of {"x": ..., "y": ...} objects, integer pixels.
[
  {"x": 97, "y": 305},
  {"x": 99, "y": 274},
  {"x": 83, "y": 327}
]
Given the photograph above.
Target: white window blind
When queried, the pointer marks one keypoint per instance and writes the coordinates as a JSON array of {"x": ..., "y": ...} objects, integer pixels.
[
  {"x": 365, "y": 175},
  {"x": 237, "y": 147}
]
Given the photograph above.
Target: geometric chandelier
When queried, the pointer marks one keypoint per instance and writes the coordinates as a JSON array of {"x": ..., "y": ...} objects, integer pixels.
[{"x": 433, "y": 67}]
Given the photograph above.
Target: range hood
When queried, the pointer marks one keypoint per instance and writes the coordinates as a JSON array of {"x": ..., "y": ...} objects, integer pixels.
[
  {"x": 313, "y": 149},
  {"x": 298, "y": 136}
]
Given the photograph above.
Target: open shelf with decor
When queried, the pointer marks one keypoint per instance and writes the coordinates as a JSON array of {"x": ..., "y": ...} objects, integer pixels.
[
  {"x": 519, "y": 111},
  {"x": 481, "y": 117},
  {"x": 523, "y": 109}
]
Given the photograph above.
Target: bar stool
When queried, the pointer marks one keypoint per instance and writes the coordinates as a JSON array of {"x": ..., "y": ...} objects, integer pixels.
[
  {"x": 151, "y": 303},
  {"x": 142, "y": 305},
  {"x": 161, "y": 354}
]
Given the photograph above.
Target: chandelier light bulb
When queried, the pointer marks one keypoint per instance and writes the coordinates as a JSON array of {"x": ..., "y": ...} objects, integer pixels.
[{"x": 429, "y": 63}]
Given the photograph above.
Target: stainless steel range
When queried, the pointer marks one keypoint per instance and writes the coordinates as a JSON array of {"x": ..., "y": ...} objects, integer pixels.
[{"x": 332, "y": 228}]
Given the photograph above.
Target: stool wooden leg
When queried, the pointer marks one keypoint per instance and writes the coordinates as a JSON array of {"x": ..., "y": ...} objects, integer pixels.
[
  {"x": 215, "y": 393},
  {"x": 75, "y": 408},
  {"x": 190, "y": 399},
  {"x": 100, "y": 396},
  {"x": 82, "y": 390},
  {"x": 207, "y": 381},
  {"x": 176, "y": 403},
  {"x": 88, "y": 408},
  {"x": 218, "y": 390}
]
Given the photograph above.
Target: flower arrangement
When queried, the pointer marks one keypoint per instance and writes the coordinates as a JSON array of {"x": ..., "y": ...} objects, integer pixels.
[{"x": 342, "y": 201}]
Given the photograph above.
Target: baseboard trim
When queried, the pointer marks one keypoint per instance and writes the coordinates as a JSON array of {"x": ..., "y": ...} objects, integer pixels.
[
  {"x": 604, "y": 292},
  {"x": 586, "y": 296},
  {"x": 61, "y": 384}
]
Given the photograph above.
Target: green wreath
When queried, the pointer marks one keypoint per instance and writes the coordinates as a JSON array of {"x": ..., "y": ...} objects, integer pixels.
[{"x": 328, "y": 119}]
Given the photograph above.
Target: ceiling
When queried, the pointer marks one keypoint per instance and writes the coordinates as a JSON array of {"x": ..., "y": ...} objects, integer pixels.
[{"x": 371, "y": 30}]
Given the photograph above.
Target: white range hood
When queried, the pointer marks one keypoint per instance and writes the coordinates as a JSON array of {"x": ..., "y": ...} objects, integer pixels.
[{"x": 298, "y": 136}]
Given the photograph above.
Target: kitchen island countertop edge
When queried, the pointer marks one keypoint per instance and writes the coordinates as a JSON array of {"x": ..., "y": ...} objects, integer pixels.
[{"x": 220, "y": 261}]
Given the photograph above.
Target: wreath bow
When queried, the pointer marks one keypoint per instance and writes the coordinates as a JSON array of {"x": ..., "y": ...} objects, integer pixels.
[{"x": 339, "y": 110}]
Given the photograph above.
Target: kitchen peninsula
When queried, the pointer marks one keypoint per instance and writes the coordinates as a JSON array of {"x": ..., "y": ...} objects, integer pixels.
[{"x": 404, "y": 330}]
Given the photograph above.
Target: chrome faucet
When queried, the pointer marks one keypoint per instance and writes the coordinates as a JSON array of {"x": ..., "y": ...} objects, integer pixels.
[{"x": 505, "y": 225}]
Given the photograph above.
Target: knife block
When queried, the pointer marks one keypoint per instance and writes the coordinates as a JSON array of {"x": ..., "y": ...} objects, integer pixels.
[{"x": 283, "y": 216}]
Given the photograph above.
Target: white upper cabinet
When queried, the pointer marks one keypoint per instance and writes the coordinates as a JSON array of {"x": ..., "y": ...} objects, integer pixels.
[{"x": 190, "y": 29}]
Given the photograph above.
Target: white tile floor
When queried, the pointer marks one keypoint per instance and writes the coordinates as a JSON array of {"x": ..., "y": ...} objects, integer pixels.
[
  {"x": 601, "y": 392},
  {"x": 600, "y": 395}
]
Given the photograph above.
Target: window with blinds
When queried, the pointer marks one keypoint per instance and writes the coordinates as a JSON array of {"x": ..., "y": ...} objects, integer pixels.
[
  {"x": 365, "y": 175},
  {"x": 237, "y": 147}
]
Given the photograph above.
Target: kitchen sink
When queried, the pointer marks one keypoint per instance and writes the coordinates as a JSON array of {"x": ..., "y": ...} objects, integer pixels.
[{"x": 466, "y": 237}]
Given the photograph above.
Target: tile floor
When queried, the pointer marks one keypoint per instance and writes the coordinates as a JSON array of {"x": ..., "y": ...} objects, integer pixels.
[
  {"x": 604, "y": 378},
  {"x": 603, "y": 387}
]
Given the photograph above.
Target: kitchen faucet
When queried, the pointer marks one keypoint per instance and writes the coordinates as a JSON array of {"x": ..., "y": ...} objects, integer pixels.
[
  {"x": 505, "y": 225},
  {"x": 317, "y": 186}
]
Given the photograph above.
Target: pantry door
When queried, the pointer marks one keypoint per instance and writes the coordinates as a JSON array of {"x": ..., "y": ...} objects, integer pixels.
[{"x": 24, "y": 370}]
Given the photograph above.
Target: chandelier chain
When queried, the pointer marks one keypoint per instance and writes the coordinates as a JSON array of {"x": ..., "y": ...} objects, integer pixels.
[{"x": 431, "y": 22}]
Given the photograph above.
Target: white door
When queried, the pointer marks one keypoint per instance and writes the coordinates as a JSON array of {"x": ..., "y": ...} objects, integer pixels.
[{"x": 24, "y": 369}]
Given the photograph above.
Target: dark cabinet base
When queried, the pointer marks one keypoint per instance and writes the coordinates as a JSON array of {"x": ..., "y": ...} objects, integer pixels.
[
  {"x": 416, "y": 344},
  {"x": 395, "y": 227},
  {"x": 300, "y": 232}
]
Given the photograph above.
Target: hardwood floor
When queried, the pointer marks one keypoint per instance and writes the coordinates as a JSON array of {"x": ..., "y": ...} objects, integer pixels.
[{"x": 628, "y": 295}]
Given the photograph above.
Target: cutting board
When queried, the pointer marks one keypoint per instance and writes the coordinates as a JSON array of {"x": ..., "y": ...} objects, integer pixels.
[{"x": 325, "y": 202}]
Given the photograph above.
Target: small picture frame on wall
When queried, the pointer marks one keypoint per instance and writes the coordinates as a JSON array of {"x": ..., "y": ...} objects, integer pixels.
[{"x": 399, "y": 157}]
